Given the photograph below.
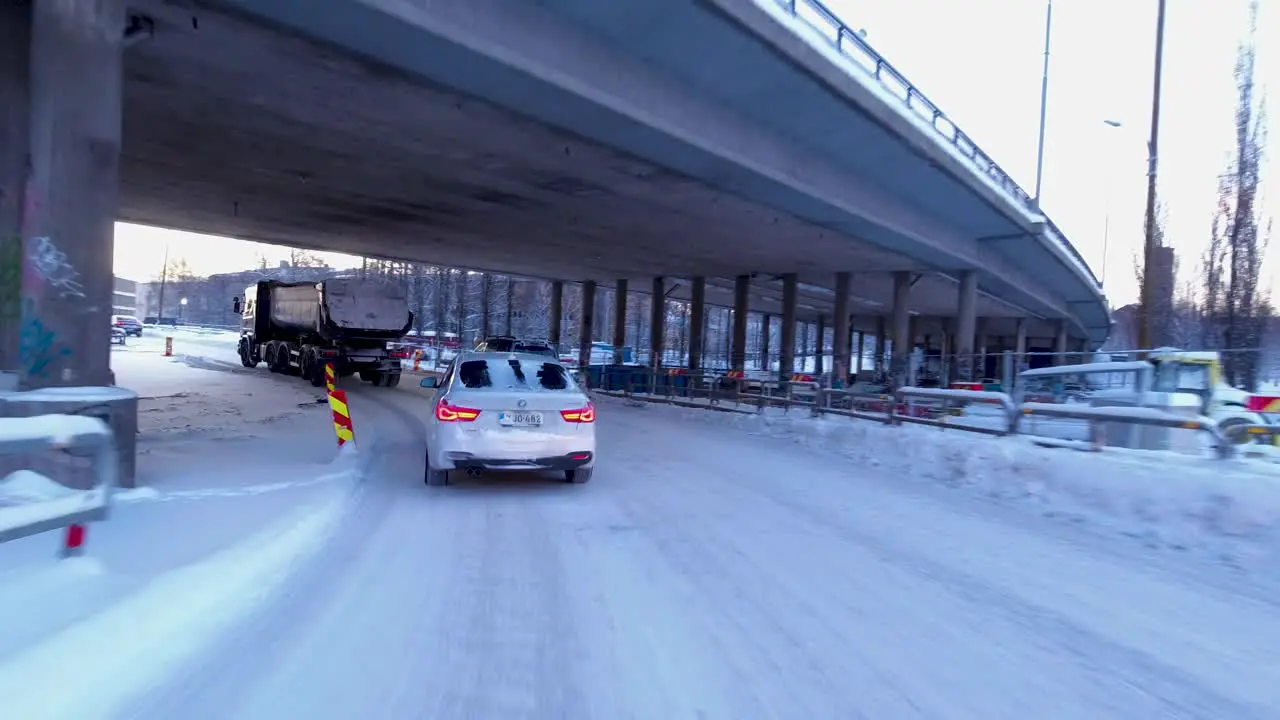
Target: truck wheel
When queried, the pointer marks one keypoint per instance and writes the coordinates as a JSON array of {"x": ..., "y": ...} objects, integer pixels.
[
  {"x": 270, "y": 356},
  {"x": 317, "y": 374},
  {"x": 369, "y": 376},
  {"x": 391, "y": 379},
  {"x": 246, "y": 359}
]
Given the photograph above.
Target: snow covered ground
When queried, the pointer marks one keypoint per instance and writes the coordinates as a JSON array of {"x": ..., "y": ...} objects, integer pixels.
[
  {"x": 222, "y": 455},
  {"x": 718, "y": 566}
]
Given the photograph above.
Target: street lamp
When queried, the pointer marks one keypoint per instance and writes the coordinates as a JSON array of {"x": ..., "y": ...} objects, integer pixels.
[
  {"x": 182, "y": 305},
  {"x": 1106, "y": 218},
  {"x": 1044, "y": 99}
]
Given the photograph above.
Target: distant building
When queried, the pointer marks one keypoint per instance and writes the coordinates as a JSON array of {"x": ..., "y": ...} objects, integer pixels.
[{"x": 124, "y": 298}]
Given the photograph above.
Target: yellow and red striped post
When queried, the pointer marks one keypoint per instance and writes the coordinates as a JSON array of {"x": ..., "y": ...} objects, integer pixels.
[
  {"x": 330, "y": 378},
  {"x": 417, "y": 360},
  {"x": 342, "y": 426}
]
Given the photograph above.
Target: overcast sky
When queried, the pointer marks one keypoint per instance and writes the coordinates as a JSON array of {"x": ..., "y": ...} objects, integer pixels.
[{"x": 980, "y": 61}]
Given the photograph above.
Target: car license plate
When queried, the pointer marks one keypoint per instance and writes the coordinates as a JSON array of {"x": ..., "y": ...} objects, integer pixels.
[{"x": 512, "y": 418}]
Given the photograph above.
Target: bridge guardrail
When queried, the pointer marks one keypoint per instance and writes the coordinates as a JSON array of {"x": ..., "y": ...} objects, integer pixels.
[
  {"x": 895, "y": 82},
  {"x": 29, "y": 435}
]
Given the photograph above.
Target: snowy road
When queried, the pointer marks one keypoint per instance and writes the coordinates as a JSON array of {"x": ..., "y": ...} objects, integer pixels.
[{"x": 708, "y": 573}]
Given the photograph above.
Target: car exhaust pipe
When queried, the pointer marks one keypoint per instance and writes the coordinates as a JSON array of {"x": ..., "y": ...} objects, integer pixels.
[{"x": 474, "y": 472}]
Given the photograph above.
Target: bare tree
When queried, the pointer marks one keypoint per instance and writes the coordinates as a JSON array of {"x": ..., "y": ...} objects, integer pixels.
[{"x": 1233, "y": 260}]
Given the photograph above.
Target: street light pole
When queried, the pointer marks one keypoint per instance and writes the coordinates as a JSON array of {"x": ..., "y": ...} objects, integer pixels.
[
  {"x": 1106, "y": 218},
  {"x": 1044, "y": 99},
  {"x": 1146, "y": 308}
]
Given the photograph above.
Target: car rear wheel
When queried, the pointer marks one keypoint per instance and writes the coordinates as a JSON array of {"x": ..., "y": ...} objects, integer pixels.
[
  {"x": 579, "y": 476},
  {"x": 433, "y": 477}
]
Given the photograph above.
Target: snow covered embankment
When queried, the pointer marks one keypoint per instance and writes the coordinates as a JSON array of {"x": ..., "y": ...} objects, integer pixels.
[
  {"x": 1165, "y": 499},
  {"x": 95, "y": 667}
]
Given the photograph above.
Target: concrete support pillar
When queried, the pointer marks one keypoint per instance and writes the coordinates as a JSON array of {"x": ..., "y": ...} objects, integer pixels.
[
  {"x": 657, "y": 322},
  {"x": 1060, "y": 343},
  {"x": 588, "y": 321},
  {"x": 857, "y": 357},
  {"x": 901, "y": 328},
  {"x": 509, "y": 316},
  {"x": 69, "y": 206},
  {"x": 1020, "y": 339},
  {"x": 741, "y": 302},
  {"x": 820, "y": 344},
  {"x": 966, "y": 326},
  {"x": 556, "y": 330},
  {"x": 882, "y": 338},
  {"x": 486, "y": 298},
  {"x": 841, "y": 333},
  {"x": 619, "y": 319},
  {"x": 981, "y": 341},
  {"x": 697, "y": 322},
  {"x": 787, "y": 338},
  {"x": 765, "y": 333},
  {"x": 71, "y": 194},
  {"x": 15, "y": 114}
]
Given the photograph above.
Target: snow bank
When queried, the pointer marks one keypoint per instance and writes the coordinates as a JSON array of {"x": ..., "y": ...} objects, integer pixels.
[
  {"x": 1165, "y": 499},
  {"x": 95, "y": 667}
]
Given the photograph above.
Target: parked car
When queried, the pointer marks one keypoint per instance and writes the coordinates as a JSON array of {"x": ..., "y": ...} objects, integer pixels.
[
  {"x": 129, "y": 324},
  {"x": 118, "y": 335},
  {"x": 509, "y": 343}
]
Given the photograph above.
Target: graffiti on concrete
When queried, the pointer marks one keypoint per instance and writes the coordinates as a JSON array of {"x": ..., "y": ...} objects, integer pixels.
[
  {"x": 52, "y": 265},
  {"x": 39, "y": 345}
]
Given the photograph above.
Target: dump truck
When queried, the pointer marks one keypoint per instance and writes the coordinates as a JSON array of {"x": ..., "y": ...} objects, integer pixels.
[{"x": 298, "y": 328}]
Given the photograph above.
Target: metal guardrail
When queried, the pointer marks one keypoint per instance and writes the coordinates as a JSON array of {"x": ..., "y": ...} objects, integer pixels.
[
  {"x": 1237, "y": 433},
  {"x": 1150, "y": 417},
  {"x": 21, "y": 436},
  {"x": 948, "y": 396},
  {"x": 753, "y": 396},
  {"x": 852, "y": 45}
]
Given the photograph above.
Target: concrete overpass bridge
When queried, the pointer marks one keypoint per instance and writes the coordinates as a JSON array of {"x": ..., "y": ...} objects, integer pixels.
[{"x": 721, "y": 142}]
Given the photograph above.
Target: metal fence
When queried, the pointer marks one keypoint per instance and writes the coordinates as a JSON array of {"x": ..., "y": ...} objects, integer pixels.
[
  {"x": 72, "y": 434},
  {"x": 977, "y": 411}
]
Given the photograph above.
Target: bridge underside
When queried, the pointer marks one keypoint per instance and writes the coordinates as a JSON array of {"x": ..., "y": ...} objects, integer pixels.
[{"x": 234, "y": 128}]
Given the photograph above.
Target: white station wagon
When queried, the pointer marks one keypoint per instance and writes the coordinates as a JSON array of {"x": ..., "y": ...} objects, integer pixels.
[{"x": 508, "y": 412}]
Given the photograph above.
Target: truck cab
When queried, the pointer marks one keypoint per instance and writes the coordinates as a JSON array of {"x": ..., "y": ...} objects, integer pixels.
[{"x": 1200, "y": 373}]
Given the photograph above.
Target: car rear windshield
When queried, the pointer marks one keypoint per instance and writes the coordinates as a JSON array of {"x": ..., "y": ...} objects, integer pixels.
[{"x": 476, "y": 374}]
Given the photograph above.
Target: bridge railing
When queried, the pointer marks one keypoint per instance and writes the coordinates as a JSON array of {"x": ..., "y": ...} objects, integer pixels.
[{"x": 851, "y": 44}]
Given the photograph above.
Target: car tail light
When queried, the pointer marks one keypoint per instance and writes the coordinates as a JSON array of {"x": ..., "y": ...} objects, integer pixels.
[
  {"x": 580, "y": 415},
  {"x": 454, "y": 413}
]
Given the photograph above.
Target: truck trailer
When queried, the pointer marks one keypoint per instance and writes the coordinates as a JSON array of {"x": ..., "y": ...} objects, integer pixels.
[{"x": 298, "y": 328}]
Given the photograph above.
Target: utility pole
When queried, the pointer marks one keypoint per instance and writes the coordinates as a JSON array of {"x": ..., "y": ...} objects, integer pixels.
[
  {"x": 164, "y": 276},
  {"x": 1044, "y": 99},
  {"x": 1147, "y": 308}
]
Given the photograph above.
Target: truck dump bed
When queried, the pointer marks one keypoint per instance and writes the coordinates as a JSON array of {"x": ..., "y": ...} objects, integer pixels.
[{"x": 366, "y": 306}]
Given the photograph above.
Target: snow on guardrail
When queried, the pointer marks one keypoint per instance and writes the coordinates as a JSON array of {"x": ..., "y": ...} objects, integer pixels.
[{"x": 21, "y": 515}]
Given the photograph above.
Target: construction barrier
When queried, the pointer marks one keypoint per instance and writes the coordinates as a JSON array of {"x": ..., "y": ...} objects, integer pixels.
[
  {"x": 168, "y": 347},
  {"x": 330, "y": 378},
  {"x": 735, "y": 374},
  {"x": 802, "y": 377},
  {"x": 675, "y": 372},
  {"x": 417, "y": 361}
]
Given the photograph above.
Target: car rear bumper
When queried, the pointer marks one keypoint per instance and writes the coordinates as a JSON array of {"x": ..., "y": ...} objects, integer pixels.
[{"x": 572, "y": 461}]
